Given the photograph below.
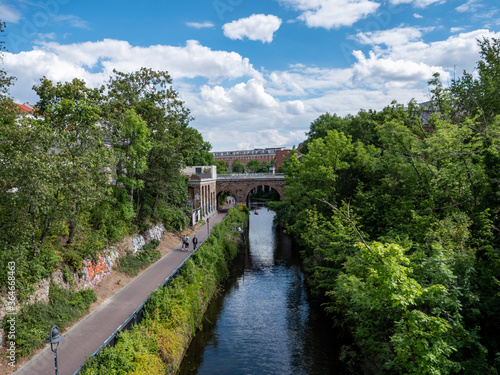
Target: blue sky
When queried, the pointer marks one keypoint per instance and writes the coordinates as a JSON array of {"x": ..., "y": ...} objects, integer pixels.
[{"x": 253, "y": 73}]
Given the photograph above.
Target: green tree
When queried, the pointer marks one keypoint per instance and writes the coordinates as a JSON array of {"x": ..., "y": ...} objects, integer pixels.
[
  {"x": 8, "y": 110},
  {"x": 173, "y": 142},
  {"x": 254, "y": 166},
  {"x": 74, "y": 112},
  {"x": 222, "y": 166},
  {"x": 132, "y": 145},
  {"x": 238, "y": 166},
  {"x": 477, "y": 94}
]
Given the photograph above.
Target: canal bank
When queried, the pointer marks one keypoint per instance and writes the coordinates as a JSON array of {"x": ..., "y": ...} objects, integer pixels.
[
  {"x": 265, "y": 322},
  {"x": 85, "y": 337},
  {"x": 172, "y": 314}
]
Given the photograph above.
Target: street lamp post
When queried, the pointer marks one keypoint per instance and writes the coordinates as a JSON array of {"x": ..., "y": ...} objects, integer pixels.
[{"x": 54, "y": 341}]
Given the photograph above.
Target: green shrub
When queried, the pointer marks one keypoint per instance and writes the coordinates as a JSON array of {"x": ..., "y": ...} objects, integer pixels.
[
  {"x": 33, "y": 323},
  {"x": 131, "y": 264},
  {"x": 174, "y": 313}
]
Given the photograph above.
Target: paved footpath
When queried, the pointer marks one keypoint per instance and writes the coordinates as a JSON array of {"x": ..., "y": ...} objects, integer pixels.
[{"x": 85, "y": 337}]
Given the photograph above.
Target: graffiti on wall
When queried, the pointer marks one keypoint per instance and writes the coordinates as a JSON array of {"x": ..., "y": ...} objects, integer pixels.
[
  {"x": 156, "y": 232},
  {"x": 138, "y": 243},
  {"x": 95, "y": 271}
]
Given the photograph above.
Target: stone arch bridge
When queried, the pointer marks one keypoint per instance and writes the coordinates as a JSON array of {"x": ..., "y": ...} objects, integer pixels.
[{"x": 240, "y": 185}]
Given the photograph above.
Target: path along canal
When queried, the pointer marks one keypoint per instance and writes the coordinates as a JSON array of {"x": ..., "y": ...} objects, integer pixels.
[{"x": 264, "y": 322}]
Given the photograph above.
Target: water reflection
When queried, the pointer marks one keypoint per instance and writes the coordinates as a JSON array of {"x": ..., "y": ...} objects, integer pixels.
[{"x": 263, "y": 323}]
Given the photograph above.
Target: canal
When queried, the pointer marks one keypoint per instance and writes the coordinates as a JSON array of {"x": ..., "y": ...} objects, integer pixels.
[{"x": 264, "y": 322}]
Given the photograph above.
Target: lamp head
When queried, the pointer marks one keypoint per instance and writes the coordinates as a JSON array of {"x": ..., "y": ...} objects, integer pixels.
[{"x": 54, "y": 336}]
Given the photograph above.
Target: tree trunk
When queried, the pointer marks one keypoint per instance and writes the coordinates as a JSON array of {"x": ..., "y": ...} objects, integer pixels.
[
  {"x": 73, "y": 224},
  {"x": 139, "y": 211},
  {"x": 156, "y": 204}
]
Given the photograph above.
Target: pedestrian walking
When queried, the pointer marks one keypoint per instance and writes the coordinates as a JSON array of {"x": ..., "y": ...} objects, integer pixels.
[
  {"x": 184, "y": 241},
  {"x": 195, "y": 242},
  {"x": 187, "y": 243}
]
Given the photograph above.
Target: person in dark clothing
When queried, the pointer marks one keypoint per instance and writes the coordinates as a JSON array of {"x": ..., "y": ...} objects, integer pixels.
[{"x": 195, "y": 242}]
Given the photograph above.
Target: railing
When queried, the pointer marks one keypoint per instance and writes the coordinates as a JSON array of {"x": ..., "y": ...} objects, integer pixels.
[
  {"x": 242, "y": 176},
  {"x": 136, "y": 316}
]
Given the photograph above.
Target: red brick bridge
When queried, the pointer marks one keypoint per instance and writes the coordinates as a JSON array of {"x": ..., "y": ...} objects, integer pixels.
[{"x": 241, "y": 185}]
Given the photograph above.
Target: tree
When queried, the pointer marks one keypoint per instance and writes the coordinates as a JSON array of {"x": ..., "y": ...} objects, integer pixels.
[
  {"x": 222, "y": 166},
  {"x": 254, "y": 166},
  {"x": 173, "y": 142},
  {"x": 429, "y": 198},
  {"x": 8, "y": 110},
  {"x": 74, "y": 113},
  {"x": 478, "y": 94},
  {"x": 132, "y": 146},
  {"x": 238, "y": 166}
]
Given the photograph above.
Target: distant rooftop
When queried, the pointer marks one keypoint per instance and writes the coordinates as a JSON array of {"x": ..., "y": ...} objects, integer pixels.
[{"x": 25, "y": 107}]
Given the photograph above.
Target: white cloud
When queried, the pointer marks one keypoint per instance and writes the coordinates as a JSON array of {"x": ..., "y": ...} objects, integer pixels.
[
  {"x": 388, "y": 72},
  {"x": 9, "y": 14},
  {"x": 252, "y": 108},
  {"x": 201, "y": 25},
  {"x": 256, "y": 27},
  {"x": 303, "y": 81},
  {"x": 417, "y": 3},
  {"x": 95, "y": 61},
  {"x": 331, "y": 14},
  {"x": 454, "y": 30},
  {"x": 469, "y": 6},
  {"x": 295, "y": 107},
  {"x": 392, "y": 37},
  {"x": 416, "y": 15},
  {"x": 242, "y": 97},
  {"x": 73, "y": 20},
  {"x": 458, "y": 50}
]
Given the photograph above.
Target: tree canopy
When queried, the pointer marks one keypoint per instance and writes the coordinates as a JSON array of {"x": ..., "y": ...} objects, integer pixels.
[
  {"x": 398, "y": 221},
  {"x": 93, "y": 165}
]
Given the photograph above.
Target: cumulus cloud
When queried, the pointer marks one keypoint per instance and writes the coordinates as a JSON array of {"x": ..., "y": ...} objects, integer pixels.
[
  {"x": 331, "y": 14},
  {"x": 392, "y": 37},
  {"x": 256, "y": 27},
  {"x": 304, "y": 81},
  {"x": 228, "y": 96},
  {"x": 392, "y": 72},
  {"x": 201, "y": 25},
  {"x": 95, "y": 61},
  {"x": 242, "y": 97},
  {"x": 458, "y": 50}
]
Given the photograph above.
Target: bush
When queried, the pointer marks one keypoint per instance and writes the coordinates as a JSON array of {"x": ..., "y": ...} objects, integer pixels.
[
  {"x": 33, "y": 323},
  {"x": 131, "y": 264},
  {"x": 174, "y": 313}
]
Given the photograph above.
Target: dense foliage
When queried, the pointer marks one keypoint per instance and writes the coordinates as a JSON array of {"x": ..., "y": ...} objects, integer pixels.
[
  {"x": 131, "y": 264},
  {"x": 398, "y": 217},
  {"x": 91, "y": 166},
  {"x": 173, "y": 314},
  {"x": 34, "y": 321}
]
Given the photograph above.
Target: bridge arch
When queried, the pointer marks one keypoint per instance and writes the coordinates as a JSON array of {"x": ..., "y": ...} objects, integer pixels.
[
  {"x": 240, "y": 186},
  {"x": 257, "y": 185}
]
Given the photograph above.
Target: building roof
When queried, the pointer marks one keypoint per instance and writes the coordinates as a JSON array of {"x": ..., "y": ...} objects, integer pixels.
[{"x": 26, "y": 107}]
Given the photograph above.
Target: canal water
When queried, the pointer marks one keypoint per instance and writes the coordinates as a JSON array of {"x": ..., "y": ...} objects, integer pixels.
[{"x": 264, "y": 321}]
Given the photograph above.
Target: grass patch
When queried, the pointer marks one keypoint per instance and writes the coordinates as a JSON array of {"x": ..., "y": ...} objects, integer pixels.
[
  {"x": 33, "y": 322},
  {"x": 131, "y": 264}
]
